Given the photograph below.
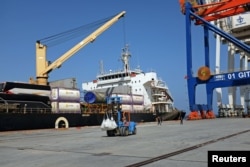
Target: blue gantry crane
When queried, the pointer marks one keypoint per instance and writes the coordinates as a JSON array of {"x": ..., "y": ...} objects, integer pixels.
[{"x": 201, "y": 14}]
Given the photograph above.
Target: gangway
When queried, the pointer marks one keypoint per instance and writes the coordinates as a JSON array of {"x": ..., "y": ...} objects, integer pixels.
[{"x": 202, "y": 14}]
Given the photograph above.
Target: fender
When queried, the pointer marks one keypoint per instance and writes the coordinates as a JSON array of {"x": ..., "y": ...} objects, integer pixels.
[{"x": 61, "y": 119}]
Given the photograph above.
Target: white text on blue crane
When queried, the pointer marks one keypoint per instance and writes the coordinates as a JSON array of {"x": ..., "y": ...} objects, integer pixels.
[{"x": 239, "y": 75}]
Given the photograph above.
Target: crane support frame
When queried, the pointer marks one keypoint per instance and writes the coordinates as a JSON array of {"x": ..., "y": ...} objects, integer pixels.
[
  {"x": 237, "y": 78},
  {"x": 217, "y": 10}
]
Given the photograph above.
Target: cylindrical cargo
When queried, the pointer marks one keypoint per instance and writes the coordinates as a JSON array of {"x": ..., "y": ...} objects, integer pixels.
[
  {"x": 65, "y": 107},
  {"x": 130, "y": 99},
  {"x": 65, "y": 95},
  {"x": 137, "y": 108},
  {"x": 126, "y": 107},
  {"x": 94, "y": 97},
  {"x": 132, "y": 108},
  {"x": 100, "y": 97}
]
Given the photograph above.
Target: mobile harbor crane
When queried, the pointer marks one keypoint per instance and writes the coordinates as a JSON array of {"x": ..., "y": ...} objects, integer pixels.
[
  {"x": 43, "y": 67},
  {"x": 201, "y": 14}
]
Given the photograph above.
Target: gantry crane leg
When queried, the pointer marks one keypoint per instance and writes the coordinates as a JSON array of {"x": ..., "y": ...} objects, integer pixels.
[{"x": 204, "y": 75}]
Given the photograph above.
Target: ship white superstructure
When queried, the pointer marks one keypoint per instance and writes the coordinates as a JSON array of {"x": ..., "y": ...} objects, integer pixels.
[{"x": 155, "y": 92}]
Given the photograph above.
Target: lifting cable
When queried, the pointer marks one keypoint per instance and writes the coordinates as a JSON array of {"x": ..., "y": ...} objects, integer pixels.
[
  {"x": 72, "y": 33},
  {"x": 124, "y": 32}
]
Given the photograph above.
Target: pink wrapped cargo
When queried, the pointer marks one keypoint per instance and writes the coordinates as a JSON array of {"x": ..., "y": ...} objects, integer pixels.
[
  {"x": 130, "y": 99},
  {"x": 132, "y": 108},
  {"x": 65, "y": 107},
  {"x": 65, "y": 95}
]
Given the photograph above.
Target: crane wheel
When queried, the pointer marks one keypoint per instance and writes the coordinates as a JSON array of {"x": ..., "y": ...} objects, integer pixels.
[
  {"x": 110, "y": 132},
  {"x": 124, "y": 131},
  {"x": 204, "y": 73},
  {"x": 121, "y": 129},
  {"x": 135, "y": 131}
]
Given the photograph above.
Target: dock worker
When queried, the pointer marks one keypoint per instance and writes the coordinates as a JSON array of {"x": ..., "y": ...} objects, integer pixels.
[{"x": 158, "y": 117}]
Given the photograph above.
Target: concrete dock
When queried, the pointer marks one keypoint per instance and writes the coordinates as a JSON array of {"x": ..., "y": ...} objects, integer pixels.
[{"x": 90, "y": 147}]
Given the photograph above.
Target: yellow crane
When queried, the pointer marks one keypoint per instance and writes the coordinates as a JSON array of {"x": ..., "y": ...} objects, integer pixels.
[{"x": 43, "y": 67}]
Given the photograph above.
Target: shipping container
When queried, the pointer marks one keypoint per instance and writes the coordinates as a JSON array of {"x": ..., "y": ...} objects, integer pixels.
[
  {"x": 64, "y": 83},
  {"x": 100, "y": 97},
  {"x": 65, "y": 107},
  {"x": 132, "y": 108},
  {"x": 130, "y": 99},
  {"x": 65, "y": 95}
]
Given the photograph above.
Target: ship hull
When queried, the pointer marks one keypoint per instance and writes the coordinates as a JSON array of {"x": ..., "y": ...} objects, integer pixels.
[{"x": 31, "y": 121}]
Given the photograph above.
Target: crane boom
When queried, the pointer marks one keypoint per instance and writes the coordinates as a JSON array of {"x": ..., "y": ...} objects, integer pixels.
[{"x": 43, "y": 68}]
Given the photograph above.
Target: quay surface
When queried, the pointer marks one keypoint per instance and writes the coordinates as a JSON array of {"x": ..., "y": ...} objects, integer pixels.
[{"x": 90, "y": 147}]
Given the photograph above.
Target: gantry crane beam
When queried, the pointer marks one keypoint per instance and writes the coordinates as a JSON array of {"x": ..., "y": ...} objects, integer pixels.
[
  {"x": 226, "y": 8},
  {"x": 218, "y": 10}
]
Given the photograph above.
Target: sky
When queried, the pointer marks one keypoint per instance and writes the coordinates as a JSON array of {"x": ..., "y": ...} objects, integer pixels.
[{"x": 153, "y": 29}]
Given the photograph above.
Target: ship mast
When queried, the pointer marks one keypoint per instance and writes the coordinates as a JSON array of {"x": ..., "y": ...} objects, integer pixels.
[
  {"x": 101, "y": 67},
  {"x": 125, "y": 58}
]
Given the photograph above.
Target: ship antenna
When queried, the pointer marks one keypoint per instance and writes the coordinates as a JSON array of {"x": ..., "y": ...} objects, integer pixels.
[
  {"x": 125, "y": 58},
  {"x": 101, "y": 67}
]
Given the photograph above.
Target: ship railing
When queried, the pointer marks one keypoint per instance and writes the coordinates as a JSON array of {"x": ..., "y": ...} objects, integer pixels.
[
  {"x": 161, "y": 100},
  {"x": 94, "y": 108},
  {"x": 12, "y": 109},
  {"x": 12, "y": 106},
  {"x": 117, "y": 80},
  {"x": 5, "y": 105},
  {"x": 110, "y": 72}
]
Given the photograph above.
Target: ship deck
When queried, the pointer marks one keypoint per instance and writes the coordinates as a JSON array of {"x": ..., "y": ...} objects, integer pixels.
[{"x": 170, "y": 144}]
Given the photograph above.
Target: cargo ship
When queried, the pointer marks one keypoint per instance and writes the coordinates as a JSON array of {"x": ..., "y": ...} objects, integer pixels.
[
  {"x": 41, "y": 104},
  {"x": 142, "y": 93},
  {"x": 25, "y": 106}
]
